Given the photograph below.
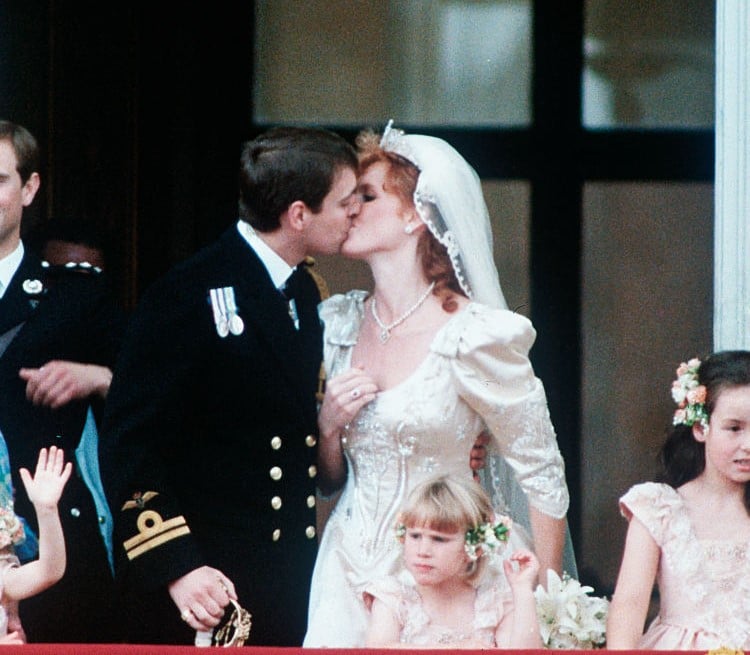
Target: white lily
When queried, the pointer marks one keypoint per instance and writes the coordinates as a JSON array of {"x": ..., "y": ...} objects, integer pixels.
[{"x": 568, "y": 616}]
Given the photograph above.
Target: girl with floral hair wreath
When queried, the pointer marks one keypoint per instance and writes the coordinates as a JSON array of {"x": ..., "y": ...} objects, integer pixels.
[
  {"x": 691, "y": 533},
  {"x": 448, "y": 595}
]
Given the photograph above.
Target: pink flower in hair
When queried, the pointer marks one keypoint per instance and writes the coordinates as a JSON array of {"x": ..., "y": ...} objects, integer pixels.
[{"x": 697, "y": 395}]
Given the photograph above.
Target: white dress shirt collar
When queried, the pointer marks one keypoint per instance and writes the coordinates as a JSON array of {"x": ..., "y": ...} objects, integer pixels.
[
  {"x": 277, "y": 268},
  {"x": 8, "y": 267}
]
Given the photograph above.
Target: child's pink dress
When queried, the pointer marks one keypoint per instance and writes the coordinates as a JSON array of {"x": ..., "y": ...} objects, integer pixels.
[
  {"x": 493, "y": 601},
  {"x": 704, "y": 584},
  {"x": 8, "y": 560}
]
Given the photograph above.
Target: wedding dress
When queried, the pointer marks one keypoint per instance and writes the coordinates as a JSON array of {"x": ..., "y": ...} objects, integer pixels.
[{"x": 477, "y": 374}]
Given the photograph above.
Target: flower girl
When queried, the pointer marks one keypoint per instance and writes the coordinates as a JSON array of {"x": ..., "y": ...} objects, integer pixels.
[
  {"x": 19, "y": 582},
  {"x": 447, "y": 596},
  {"x": 692, "y": 534}
]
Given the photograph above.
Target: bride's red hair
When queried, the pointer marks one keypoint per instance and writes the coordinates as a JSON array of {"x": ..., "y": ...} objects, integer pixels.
[{"x": 401, "y": 179}]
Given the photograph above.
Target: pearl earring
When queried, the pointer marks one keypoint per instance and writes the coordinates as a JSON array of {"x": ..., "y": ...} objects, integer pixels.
[{"x": 409, "y": 229}]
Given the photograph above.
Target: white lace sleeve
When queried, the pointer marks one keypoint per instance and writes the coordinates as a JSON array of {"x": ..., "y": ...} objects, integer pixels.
[{"x": 495, "y": 377}]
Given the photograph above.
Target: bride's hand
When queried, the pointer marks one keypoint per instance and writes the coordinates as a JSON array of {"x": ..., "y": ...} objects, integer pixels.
[{"x": 345, "y": 395}]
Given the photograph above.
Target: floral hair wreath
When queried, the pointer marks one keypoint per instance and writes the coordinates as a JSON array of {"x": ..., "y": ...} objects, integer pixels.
[
  {"x": 689, "y": 395},
  {"x": 478, "y": 541}
]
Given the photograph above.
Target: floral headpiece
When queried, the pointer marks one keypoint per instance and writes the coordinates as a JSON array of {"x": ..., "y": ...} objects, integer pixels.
[
  {"x": 487, "y": 537},
  {"x": 11, "y": 528},
  {"x": 478, "y": 541},
  {"x": 689, "y": 395}
]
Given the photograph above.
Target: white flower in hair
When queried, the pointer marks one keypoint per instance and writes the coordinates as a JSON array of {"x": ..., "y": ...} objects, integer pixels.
[{"x": 487, "y": 537}]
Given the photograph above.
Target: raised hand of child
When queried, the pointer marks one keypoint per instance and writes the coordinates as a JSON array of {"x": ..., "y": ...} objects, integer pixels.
[
  {"x": 522, "y": 569},
  {"x": 45, "y": 488}
]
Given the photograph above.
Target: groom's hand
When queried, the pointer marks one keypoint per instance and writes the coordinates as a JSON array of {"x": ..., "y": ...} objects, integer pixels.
[{"x": 201, "y": 597}]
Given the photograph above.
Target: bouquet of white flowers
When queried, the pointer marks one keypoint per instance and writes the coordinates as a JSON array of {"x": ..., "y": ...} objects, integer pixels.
[{"x": 568, "y": 616}]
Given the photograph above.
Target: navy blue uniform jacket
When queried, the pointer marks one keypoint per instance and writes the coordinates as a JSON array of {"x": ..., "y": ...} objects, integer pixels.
[
  {"x": 72, "y": 317},
  {"x": 208, "y": 453}
]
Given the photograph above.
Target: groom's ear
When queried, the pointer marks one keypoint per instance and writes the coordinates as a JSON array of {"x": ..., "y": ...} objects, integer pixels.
[{"x": 296, "y": 216}]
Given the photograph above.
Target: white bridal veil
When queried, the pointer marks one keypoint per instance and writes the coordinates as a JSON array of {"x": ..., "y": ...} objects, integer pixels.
[{"x": 450, "y": 201}]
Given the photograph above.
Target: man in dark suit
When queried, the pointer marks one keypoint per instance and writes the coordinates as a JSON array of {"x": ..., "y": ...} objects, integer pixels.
[
  {"x": 209, "y": 444},
  {"x": 59, "y": 332}
]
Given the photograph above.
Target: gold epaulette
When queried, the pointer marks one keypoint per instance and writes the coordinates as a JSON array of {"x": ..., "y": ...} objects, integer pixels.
[{"x": 309, "y": 263}]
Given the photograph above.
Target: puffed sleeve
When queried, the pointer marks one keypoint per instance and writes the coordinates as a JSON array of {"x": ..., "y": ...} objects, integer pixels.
[
  {"x": 399, "y": 595},
  {"x": 652, "y": 503},
  {"x": 488, "y": 351},
  {"x": 341, "y": 315},
  {"x": 389, "y": 591},
  {"x": 8, "y": 561}
]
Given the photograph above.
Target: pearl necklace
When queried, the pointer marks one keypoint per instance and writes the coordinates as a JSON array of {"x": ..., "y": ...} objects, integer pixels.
[{"x": 385, "y": 330}]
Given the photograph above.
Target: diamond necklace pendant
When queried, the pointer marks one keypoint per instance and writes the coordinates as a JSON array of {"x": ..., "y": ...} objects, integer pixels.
[{"x": 385, "y": 330}]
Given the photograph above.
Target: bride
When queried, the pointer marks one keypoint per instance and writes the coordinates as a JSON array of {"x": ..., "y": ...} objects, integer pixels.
[{"x": 416, "y": 370}]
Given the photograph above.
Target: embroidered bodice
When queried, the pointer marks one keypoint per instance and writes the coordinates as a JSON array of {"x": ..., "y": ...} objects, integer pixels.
[
  {"x": 704, "y": 584},
  {"x": 492, "y": 601}
]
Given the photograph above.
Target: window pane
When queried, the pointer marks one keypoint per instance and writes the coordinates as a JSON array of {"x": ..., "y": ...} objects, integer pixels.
[
  {"x": 509, "y": 206},
  {"x": 341, "y": 62},
  {"x": 649, "y": 64},
  {"x": 646, "y": 306}
]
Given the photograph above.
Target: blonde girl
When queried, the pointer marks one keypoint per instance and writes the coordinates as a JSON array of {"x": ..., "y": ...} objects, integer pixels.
[{"x": 448, "y": 596}]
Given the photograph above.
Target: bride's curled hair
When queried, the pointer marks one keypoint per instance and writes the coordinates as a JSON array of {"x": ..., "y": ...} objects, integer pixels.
[{"x": 401, "y": 179}]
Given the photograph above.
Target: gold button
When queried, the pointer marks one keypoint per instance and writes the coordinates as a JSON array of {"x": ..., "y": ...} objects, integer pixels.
[
  {"x": 309, "y": 531},
  {"x": 276, "y": 502},
  {"x": 310, "y": 440},
  {"x": 276, "y": 443},
  {"x": 276, "y": 535},
  {"x": 311, "y": 501},
  {"x": 275, "y": 473},
  {"x": 312, "y": 471}
]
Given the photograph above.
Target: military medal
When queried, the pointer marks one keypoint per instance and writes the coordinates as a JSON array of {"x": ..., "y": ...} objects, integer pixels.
[
  {"x": 224, "y": 308},
  {"x": 219, "y": 309},
  {"x": 236, "y": 324}
]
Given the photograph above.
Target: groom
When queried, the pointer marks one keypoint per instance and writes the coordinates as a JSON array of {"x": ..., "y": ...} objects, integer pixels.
[{"x": 209, "y": 441}]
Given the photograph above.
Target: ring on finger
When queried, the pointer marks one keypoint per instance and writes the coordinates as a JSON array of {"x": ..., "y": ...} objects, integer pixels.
[
  {"x": 356, "y": 393},
  {"x": 186, "y": 614}
]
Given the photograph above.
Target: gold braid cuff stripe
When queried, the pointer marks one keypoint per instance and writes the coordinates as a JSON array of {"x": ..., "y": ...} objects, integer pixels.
[{"x": 153, "y": 531}]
